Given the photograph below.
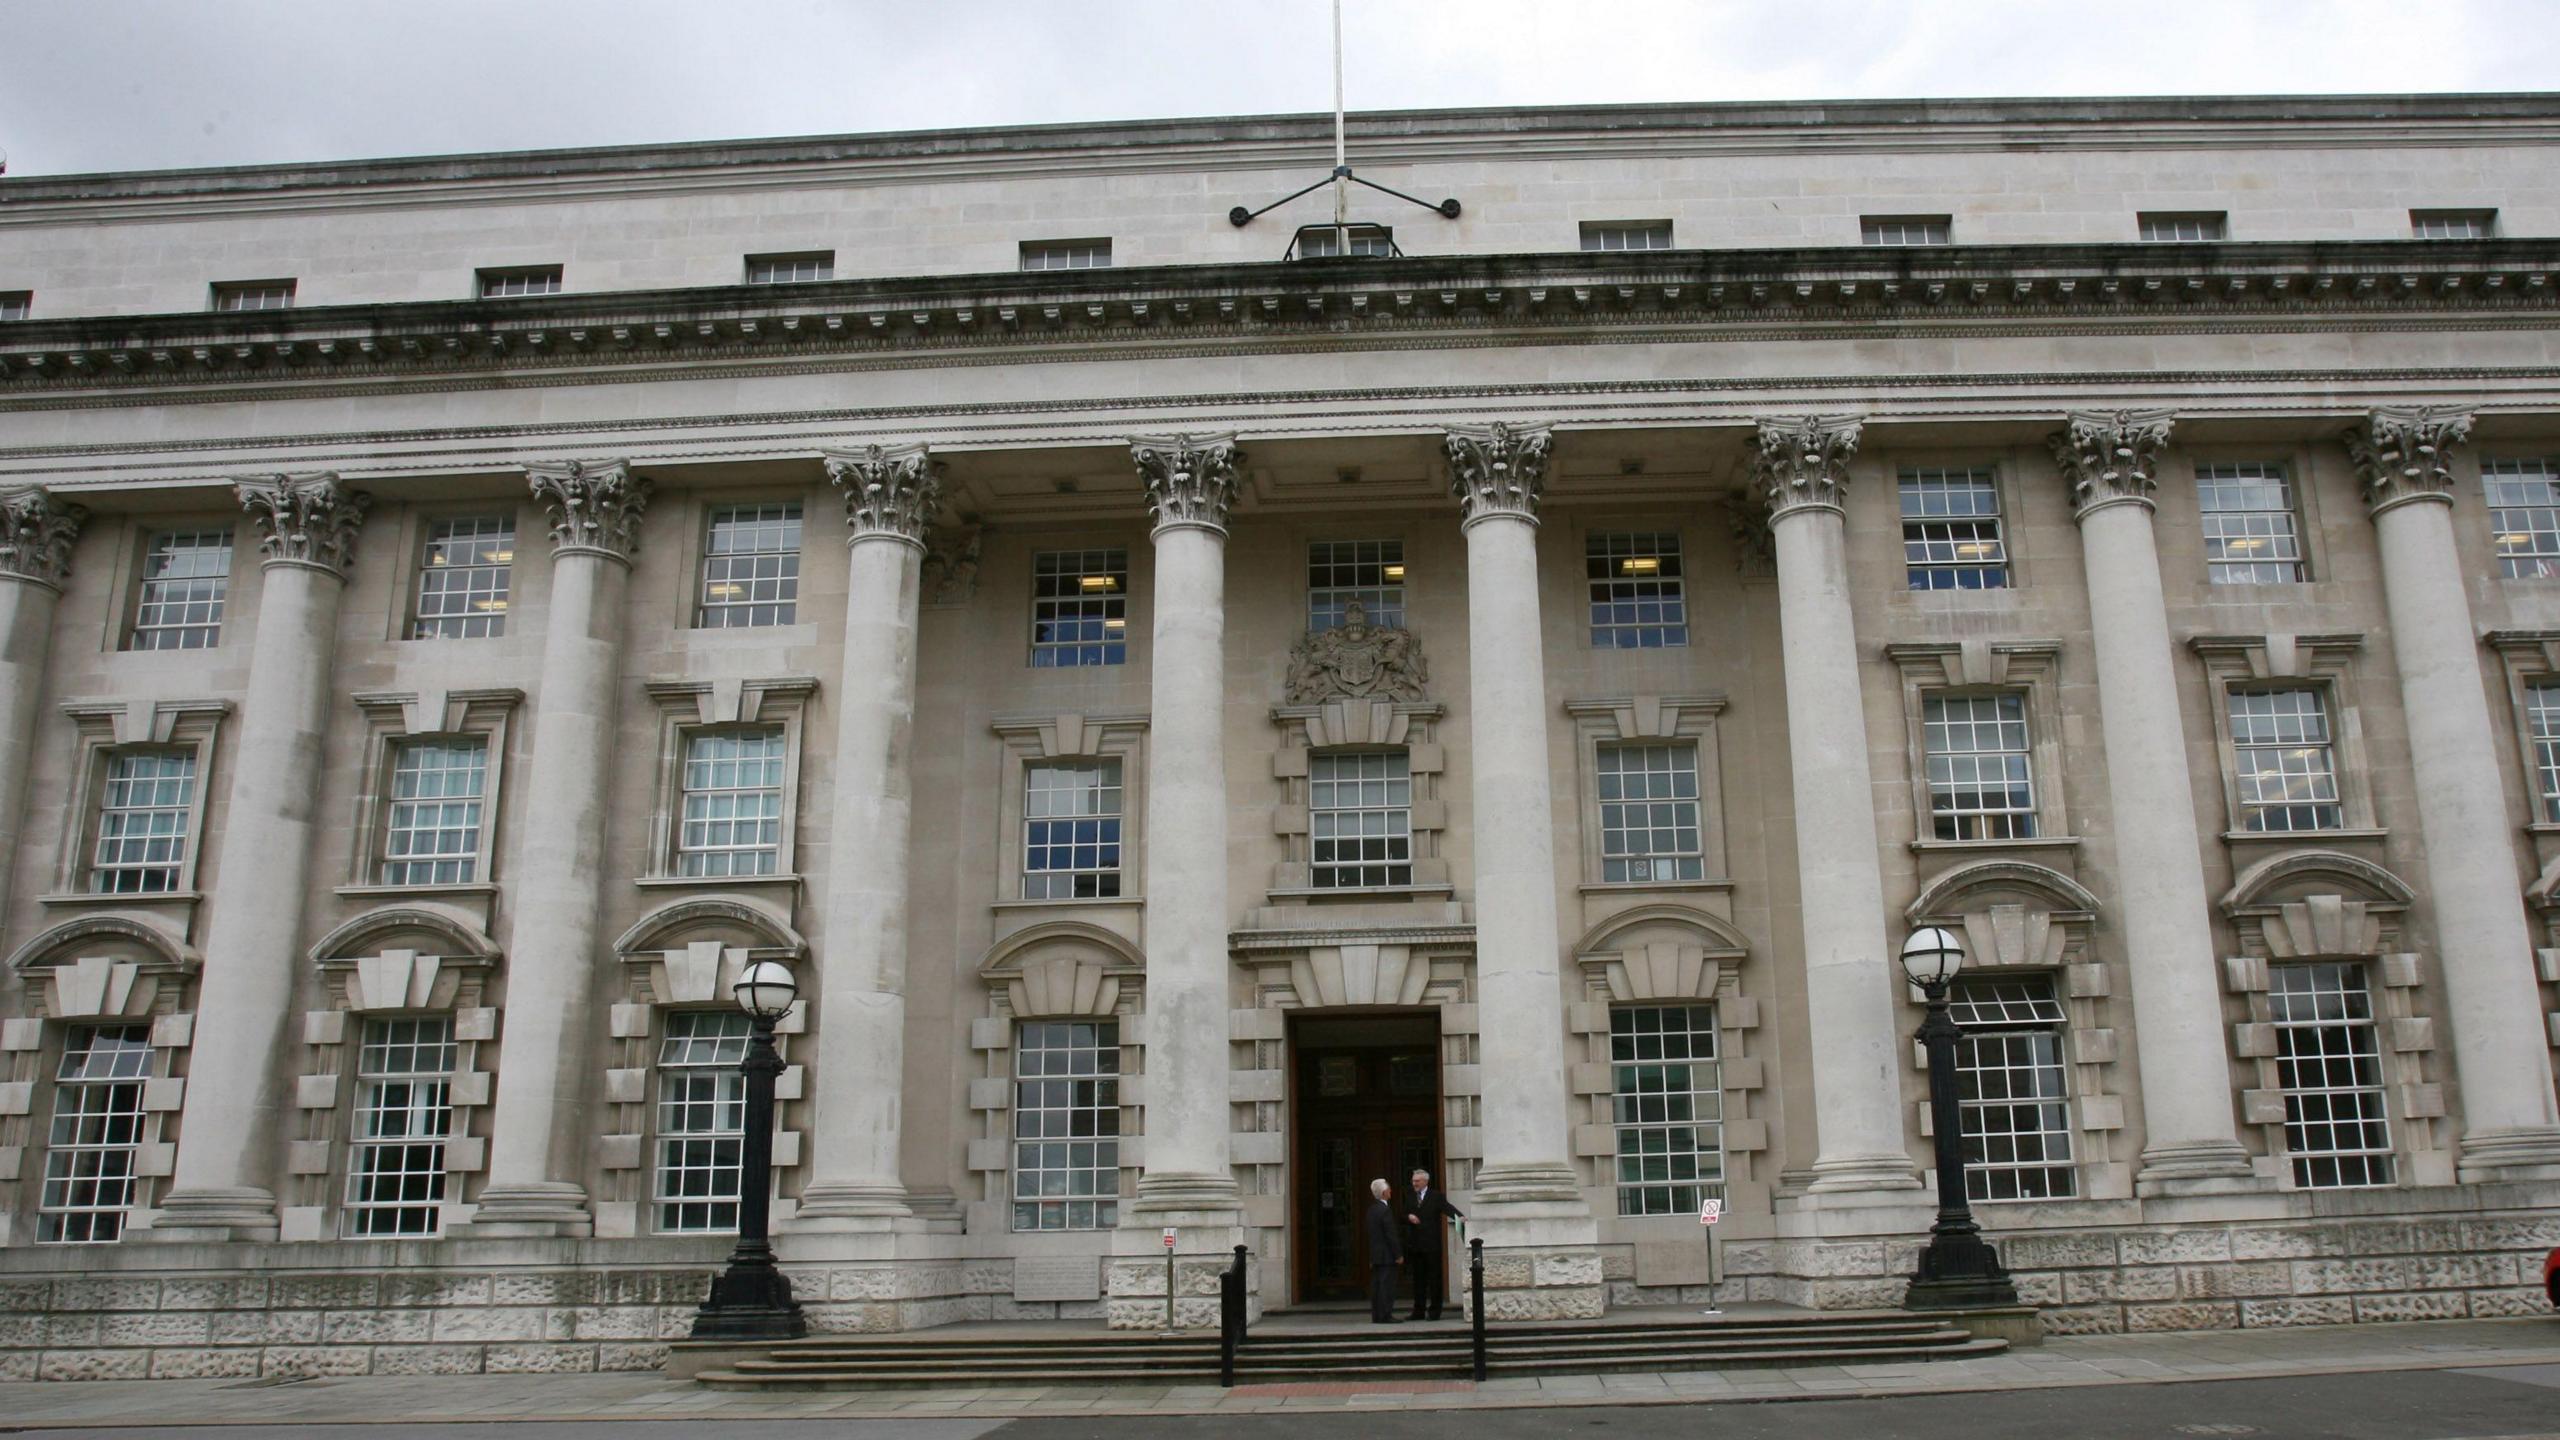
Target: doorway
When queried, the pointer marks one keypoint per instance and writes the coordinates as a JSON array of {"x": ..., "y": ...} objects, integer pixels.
[{"x": 1365, "y": 1090}]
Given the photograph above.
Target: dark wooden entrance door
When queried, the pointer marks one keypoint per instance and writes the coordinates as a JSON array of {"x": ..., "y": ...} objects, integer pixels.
[{"x": 1366, "y": 1093}]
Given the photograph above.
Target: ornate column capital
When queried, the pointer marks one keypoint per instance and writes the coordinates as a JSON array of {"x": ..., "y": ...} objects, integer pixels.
[
  {"x": 2109, "y": 455},
  {"x": 595, "y": 505},
  {"x": 1191, "y": 479},
  {"x": 891, "y": 492},
  {"x": 1497, "y": 470},
  {"x": 1803, "y": 462},
  {"x": 308, "y": 520},
  {"x": 36, "y": 532},
  {"x": 2407, "y": 454}
]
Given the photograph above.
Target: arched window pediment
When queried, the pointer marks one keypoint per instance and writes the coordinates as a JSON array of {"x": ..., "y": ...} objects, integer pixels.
[
  {"x": 1062, "y": 967},
  {"x": 1661, "y": 952}
]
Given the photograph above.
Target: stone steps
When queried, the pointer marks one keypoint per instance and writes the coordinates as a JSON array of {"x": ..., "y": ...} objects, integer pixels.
[{"x": 1353, "y": 1353}]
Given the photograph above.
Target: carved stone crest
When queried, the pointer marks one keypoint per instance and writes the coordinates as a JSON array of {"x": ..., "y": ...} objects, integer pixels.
[{"x": 1357, "y": 659}]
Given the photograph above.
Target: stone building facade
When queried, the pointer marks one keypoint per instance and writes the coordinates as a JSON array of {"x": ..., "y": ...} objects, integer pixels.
[{"x": 1487, "y": 691}]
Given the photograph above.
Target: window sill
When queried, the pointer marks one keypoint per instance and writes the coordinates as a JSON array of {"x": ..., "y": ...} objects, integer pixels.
[
  {"x": 2299, "y": 837},
  {"x": 476, "y": 889},
  {"x": 2037, "y": 842},
  {"x": 2543, "y": 827},
  {"x": 1643, "y": 887},
  {"x": 83, "y": 900},
  {"x": 1375, "y": 892},
  {"x": 1075, "y": 902},
  {"x": 718, "y": 882}
]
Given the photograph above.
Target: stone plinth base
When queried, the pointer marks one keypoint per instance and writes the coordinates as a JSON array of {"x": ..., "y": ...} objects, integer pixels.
[
  {"x": 1541, "y": 1261},
  {"x": 1134, "y": 1277}
]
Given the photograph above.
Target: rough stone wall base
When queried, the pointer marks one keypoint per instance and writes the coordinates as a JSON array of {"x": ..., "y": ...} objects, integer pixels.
[
  {"x": 1542, "y": 1283},
  {"x": 1134, "y": 1288}
]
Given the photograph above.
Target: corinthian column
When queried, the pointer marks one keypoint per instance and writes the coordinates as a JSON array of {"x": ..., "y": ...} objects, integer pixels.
[
  {"x": 1497, "y": 475},
  {"x": 890, "y": 495},
  {"x": 1191, "y": 482},
  {"x": 307, "y": 529},
  {"x": 537, "y": 1134},
  {"x": 1850, "y": 975},
  {"x": 2190, "y": 1142},
  {"x": 36, "y": 532},
  {"x": 2501, "y": 1056}
]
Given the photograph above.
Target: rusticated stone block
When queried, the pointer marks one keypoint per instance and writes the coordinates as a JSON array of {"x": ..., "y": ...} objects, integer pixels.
[
  {"x": 2295, "y": 1242},
  {"x": 22, "y": 1331},
  {"x": 539, "y": 1359},
  {"x": 631, "y": 1357},
  {"x": 267, "y": 1327},
  {"x": 240, "y": 1292},
  {"x": 2518, "y": 1300},
  {"x": 2042, "y": 1288},
  {"x": 1618, "y": 1264},
  {"x": 2402, "y": 1237},
  {"x": 316, "y": 1360},
  {"x": 377, "y": 1327},
  {"x": 2222, "y": 1282},
  {"x": 2442, "y": 1305},
  {"x": 543, "y": 1287},
  {"x": 94, "y": 1365},
  {"x": 2081, "y": 1287},
  {"x": 18, "y": 1365},
  {"x": 880, "y": 1317},
  {"x": 1576, "y": 1303},
  {"x": 2057, "y": 1252},
  {"x": 1580, "y": 1271},
  {"x": 324, "y": 1292},
  {"x": 26, "y": 1296},
  {"x": 520, "y": 1323},
  {"x": 617, "y": 1322},
  {"x": 185, "y": 1328},
  {"x": 203, "y": 1362},
  {"x": 2463, "y": 1272},
  {"x": 105, "y": 1292},
  {"x": 437, "y": 1291},
  {"x": 2173, "y": 1247},
  {"x": 2084, "y": 1320},
  {"x": 426, "y": 1360},
  {"x": 2349, "y": 1277},
  {"x": 1754, "y": 1258},
  {"x": 2535, "y": 1235},
  {"x": 1863, "y": 1293},
  {"x": 1509, "y": 1270},
  {"x": 2297, "y": 1311},
  {"x": 987, "y": 1276},
  {"x": 2184, "y": 1315}
]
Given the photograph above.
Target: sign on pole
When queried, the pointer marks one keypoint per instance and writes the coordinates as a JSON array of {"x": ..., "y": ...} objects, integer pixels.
[{"x": 1710, "y": 1211}]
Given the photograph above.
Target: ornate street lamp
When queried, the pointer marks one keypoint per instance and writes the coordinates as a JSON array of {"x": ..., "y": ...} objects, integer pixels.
[
  {"x": 1958, "y": 1269},
  {"x": 751, "y": 1300}
]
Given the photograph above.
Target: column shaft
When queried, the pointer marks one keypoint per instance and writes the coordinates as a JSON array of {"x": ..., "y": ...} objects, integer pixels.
[
  {"x": 862, "y": 1004},
  {"x": 2190, "y": 1134},
  {"x": 26, "y": 641},
  {"x": 2501, "y": 1054},
  {"x": 1849, "y": 967},
  {"x": 253, "y": 944}
]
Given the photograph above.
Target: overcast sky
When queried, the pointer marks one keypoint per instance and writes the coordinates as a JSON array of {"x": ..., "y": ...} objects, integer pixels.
[{"x": 134, "y": 84}]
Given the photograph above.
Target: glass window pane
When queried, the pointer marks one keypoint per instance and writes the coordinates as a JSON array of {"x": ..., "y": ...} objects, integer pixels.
[
  {"x": 751, "y": 567},
  {"x": 1951, "y": 537},
  {"x": 186, "y": 577},
  {"x": 1079, "y": 608},
  {"x": 1636, "y": 591},
  {"x": 1075, "y": 1185}
]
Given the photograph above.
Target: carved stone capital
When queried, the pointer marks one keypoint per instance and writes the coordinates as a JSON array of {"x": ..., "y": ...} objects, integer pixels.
[
  {"x": 950, "y": 574},
  {"x": 1803, "y": 462},
  {"x": 2109, "y": 456},
  {"x": 890, "y": 491},
  {"x": 594, "y": 505},
  {"x": 36, "y": 532},
  {"x": 1191, "y": 479},
  {"x": 2405, "y": 455},
  {"x": 1497, "y": 470},
  {"x": 308, "y": 520}
]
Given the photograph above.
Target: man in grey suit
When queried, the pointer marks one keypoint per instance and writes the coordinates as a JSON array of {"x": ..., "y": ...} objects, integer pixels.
[{"x": 1386, "y": 1253}]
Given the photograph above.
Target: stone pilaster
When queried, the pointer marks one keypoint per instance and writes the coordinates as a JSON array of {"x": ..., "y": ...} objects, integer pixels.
[
  {"x": 1529, "y": 1206},
  {"x": 1186, "y": 1184},
  {"x": 890, "y": 496},
  {"x": 36, "y": 534},
  {"x": 538, "y": 1136},
  {"x": 307, "y": 527},
  {"x": 1851, "y": 977},
  {"x": 2502, "y": 1059},
  {"x": 2190, "y": 1134}
]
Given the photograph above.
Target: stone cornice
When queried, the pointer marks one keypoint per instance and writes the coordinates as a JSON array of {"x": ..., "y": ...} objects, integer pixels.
[
  {"x": 889, "y": 490},
  {"x": 1340, "y": 300},
  {"x": 594, "y": 506},
  {"x": 307, "y": 520},
  {"x": 1801, "y": 462},
  {"x": 36, "y": 532},
  {"x": 1190, "y": 479},
  {"x": 2108, "y": 456},
  {"x": 2406, "y": 455},
  {"x": 1498, "y": 469}
]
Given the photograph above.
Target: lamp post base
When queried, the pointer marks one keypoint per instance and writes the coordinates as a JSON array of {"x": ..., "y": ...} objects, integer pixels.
[
  {"x": 750, "y": 1302},
  {"x": 1959, "y": 1271}
]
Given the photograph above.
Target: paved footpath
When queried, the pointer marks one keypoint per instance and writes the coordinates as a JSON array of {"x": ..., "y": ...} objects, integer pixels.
[{"x": 2525, "y": 1352}]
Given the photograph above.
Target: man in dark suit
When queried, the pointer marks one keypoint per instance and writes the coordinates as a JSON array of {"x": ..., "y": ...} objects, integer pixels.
[
  {"x": 1386, "y": 1252},
  {"x": 1427, "y": 1214}
]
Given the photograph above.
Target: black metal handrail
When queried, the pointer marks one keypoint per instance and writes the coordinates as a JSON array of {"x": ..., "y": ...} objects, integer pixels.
[
  {"x": 1475, "y": 1300},
  {"x": 1231, "y": 1317}
]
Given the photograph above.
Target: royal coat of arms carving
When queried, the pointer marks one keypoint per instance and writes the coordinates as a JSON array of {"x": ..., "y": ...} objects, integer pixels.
[{"x": 1357, "y": 659}]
